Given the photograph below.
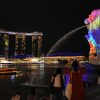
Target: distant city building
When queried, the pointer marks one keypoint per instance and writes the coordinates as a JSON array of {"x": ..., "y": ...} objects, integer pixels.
[
  {"x": 22, "y": 42},
  {"x": 4, "y": 44},
  {"x": 36, "y": 45}
]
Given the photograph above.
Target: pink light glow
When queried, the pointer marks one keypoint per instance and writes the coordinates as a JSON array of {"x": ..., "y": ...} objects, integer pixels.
[{"x": 93, "y": 16}]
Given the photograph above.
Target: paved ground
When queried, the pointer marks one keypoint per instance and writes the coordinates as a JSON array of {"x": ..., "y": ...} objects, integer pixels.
[{"x": 93, "y": 93}]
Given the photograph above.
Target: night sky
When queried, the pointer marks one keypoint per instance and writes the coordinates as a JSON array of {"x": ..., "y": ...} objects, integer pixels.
[{"x": 52, "y": 17}]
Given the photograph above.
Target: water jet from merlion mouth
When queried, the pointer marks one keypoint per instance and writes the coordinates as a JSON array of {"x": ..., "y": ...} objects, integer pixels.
[{"x": 57, "y": 44}]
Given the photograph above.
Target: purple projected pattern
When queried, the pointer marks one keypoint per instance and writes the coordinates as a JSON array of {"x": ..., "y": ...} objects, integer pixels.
[{"x": 93, "y": 25}]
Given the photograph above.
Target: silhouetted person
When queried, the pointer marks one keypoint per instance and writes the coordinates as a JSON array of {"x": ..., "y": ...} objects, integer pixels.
[{"x": 57, "y": 85}]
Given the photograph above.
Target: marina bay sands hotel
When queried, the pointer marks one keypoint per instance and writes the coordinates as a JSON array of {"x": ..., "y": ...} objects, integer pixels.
[{"x": 20, "y": 43}]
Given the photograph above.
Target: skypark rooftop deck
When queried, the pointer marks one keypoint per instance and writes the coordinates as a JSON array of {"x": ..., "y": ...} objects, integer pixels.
[{"x": 21, "y": 33}]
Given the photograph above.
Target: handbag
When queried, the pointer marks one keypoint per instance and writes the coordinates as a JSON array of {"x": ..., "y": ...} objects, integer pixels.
[{"x": 68, "y": 89}]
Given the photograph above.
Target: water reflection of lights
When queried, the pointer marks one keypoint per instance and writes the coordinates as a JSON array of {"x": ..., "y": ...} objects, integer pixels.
[
  {"x": 0, "y": 65},
  {"x": 42, "y": 71},
  {"x": 12, "y": 77},
  {"x": 41, "y": 65}
]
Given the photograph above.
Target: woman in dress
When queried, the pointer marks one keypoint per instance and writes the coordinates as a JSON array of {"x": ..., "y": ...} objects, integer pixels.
[{"x": 76, "y": 74}]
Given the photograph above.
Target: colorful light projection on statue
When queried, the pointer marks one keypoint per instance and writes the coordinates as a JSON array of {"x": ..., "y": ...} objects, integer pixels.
[{"x": 93, "y": 25}]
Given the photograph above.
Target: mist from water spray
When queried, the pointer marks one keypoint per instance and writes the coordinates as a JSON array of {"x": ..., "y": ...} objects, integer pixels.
[{"x": 64, "y": 38}]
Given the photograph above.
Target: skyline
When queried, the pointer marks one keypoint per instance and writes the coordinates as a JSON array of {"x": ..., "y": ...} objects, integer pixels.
[{"x": 54, "y": 19}]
